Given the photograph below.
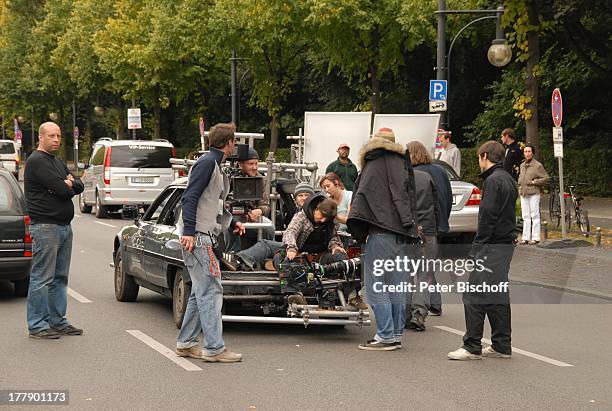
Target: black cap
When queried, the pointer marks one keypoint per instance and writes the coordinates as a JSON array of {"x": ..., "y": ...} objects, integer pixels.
[{"x": 252, "y": 154}]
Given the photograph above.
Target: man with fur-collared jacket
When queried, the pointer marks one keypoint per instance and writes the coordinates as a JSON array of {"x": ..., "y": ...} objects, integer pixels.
[{"x": 383, "y": 218}]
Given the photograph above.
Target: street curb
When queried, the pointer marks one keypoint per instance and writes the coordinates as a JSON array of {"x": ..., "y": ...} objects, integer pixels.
[{"x": 572, "y": 290}]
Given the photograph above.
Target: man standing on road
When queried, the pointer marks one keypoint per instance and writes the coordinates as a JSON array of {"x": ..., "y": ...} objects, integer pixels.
[
  {"x": 492, "y": 249},
  {"x": 344, "y": 168},
  {"x": 514, "y": 154},
  {"x": 49, "y": 188},
  {"x": 450, "y": 153},
  {"x": 383, "y": 217},
  {"x": 421, "y": 160},
  {"x": 204, "y": 218}
]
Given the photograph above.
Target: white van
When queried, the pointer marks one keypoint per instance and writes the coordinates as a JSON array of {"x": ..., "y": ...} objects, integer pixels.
[
  {"x": 9, "y": 157},
  {"x": 125, "y": 172}
]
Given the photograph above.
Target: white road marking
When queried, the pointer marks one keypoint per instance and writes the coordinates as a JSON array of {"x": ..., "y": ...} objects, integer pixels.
[
  {"x": 163, "y": 350},
  {"x": 514, "y": 349},
  {"x": 78, "y": 296},
  {"x": 106, "y": 224}
]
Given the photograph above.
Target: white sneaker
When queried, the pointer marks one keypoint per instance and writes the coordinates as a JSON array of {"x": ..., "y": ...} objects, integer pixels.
[
  {"x": 462, "y": 355},
  {"x": 489, "y": 352}
]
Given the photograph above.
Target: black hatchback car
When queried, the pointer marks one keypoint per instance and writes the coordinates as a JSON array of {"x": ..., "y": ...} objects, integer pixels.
[{"x": 15, "y": 240}]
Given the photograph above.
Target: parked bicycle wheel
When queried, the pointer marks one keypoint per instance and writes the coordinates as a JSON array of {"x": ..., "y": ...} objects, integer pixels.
[
  {"x": 554, "y": 208},
  {"x": 582, "y": 221}
]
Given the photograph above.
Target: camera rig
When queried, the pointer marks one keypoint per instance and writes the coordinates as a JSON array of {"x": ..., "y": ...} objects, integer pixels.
[{"x": 325, "y": 284}]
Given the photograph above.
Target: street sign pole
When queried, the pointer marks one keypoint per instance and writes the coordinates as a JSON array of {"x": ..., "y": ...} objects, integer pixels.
[
  {"x": 556, "y": 104},
  {"x": 202, "y": 141},
  {"x": 134, "y": 129},
  {"x": 562, "y": 199}
]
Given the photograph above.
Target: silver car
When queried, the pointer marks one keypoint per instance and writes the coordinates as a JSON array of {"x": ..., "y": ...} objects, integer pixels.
[
  {"x": 463, "y": 219},
  {"x": 122, "y": 172},
  {"x": 9, "y": 159}
]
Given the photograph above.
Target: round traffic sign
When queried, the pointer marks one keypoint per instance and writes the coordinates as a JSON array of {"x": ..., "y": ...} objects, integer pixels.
[
  {"x": 556, "y": 107},
  {"x": 75, "y": 133}
]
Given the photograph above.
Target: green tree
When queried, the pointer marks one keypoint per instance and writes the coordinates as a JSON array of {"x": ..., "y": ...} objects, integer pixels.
[
  {"x": 271, "y": 36},
  {"x": 142, "y": 47},
  {"x": 365, "y": 39}
]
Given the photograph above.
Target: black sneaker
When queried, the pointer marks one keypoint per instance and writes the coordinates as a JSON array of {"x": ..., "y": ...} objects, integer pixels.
[
  {"x": 230, "y": 261},
  {"x": 417, "y": 322},
  {"x": 373, "y": 345},
  {"x": 69, "y": 330},
  {"x": 398, "y": 344},
  {"x": 435, "y": 313},
  {"x": 236, "y": 263},
  {"x": 47, "y": 334}
]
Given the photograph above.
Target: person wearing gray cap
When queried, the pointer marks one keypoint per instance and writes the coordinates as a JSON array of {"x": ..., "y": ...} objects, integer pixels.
[{"x": 265, "y": 249}]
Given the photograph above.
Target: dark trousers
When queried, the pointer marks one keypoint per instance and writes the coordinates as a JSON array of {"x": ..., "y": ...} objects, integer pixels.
[
  {"x": 500, "y": 321},
  {"x": 496, "y": 306}
]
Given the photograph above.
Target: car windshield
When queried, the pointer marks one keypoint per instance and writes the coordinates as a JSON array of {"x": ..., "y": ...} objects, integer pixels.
[
  {"x": 141, "y": 156},
  {"x": 452, "y": 176},
  {"x": 7, "y": 147}
]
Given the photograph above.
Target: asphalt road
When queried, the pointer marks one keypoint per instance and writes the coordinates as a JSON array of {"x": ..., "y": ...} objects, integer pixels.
[{"x": 289, "y": 367}]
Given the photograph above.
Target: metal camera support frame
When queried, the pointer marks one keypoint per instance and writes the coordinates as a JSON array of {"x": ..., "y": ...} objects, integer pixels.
[{"x": 297, "y": 314}]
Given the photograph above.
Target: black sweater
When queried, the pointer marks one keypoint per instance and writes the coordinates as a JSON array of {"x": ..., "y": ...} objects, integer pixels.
[{"x": 48, "y": 197}]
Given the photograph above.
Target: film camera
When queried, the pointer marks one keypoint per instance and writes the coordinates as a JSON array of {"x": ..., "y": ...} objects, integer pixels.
[
  {"x": 315, "y": 279},
  {"x": 243, "y": 189}
]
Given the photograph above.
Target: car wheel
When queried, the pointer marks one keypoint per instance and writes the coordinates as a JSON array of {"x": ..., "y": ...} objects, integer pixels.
[
  {"x": 82, "y": 206},
  {"x": 101, "y": 211},
  {"x": 126, "y": 289},
  {"x": 22, "y": 287},
  {"x": 180, "y": 296}
]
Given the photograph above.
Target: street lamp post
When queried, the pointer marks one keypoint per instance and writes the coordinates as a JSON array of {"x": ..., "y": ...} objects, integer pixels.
[
  {"x": 498, "y": 54},
  {"x": 235, "y": 85}
]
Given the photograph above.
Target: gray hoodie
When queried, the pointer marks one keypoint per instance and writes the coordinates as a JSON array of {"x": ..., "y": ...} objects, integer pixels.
[{"x": 452, "y": 156}]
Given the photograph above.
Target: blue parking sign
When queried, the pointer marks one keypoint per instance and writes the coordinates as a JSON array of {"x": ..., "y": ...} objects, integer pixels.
[{"x": 437, "y": 89}]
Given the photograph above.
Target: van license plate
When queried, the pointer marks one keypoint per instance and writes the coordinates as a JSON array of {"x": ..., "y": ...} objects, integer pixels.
[{"x": 142, "y": 180}]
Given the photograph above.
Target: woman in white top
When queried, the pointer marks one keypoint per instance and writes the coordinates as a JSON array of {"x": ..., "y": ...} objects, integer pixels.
[{"x": 332, "y": 185}]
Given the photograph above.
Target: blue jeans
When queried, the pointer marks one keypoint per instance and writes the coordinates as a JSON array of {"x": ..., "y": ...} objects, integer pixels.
[
  {"x": 388, "y": 306},
  {"x": 235, "y": 242},
  {"x": 203, "y": 312},
  {"x": 48, "y": 293},
  {"x": 260, "y": 252}
]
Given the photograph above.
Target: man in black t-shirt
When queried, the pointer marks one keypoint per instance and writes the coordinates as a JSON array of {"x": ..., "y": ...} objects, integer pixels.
[{"x": 49, "y": 188}]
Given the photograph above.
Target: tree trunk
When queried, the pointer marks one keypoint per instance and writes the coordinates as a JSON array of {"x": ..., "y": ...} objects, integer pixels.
[
  {"x": 157, "y": 114},
  {"x": 531, "y": 83},
  {"x": 274, "y": 133}
]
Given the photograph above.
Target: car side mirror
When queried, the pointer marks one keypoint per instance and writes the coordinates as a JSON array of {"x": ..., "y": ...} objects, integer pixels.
[{"x": 130, "y": 212}]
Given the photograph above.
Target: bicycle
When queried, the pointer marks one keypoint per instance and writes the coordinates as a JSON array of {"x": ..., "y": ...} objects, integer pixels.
[{"x": 572, "y": 202}]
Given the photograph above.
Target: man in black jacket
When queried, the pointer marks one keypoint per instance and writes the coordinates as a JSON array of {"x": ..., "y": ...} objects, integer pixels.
[
  {"x": 514, "y": 154},
  {"x": 383, "y": 218},
  {"x": 49, "y": 188},
  {"x": 492, "y": 249}
]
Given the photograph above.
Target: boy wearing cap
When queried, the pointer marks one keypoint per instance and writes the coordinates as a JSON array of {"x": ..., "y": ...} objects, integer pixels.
[{"x": 343, "y": 167}]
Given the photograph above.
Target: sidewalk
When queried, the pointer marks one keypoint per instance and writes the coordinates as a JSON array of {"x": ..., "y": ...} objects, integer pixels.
[{"x": 584, "y": 270}]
